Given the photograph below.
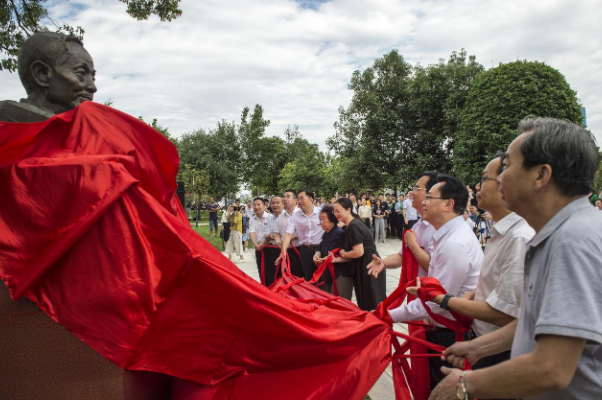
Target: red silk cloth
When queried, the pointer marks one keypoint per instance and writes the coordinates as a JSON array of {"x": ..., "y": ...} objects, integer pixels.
[{"x": 92, "y": 232}]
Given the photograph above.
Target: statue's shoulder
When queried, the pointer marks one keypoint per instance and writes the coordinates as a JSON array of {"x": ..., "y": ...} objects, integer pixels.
[{"x": 21, "y": 111}]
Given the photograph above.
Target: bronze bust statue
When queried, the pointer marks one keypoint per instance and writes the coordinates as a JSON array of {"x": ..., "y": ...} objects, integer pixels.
[
  {"x": 57, "y": 74},
  {"x": 40, "y": 358}
]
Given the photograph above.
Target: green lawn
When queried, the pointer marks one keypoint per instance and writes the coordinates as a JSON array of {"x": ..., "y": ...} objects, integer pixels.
[{"x": 203, "y": 230}]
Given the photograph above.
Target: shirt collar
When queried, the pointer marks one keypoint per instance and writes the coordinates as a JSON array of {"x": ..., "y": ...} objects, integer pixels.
[
  {"x": 315, "y": 211},
  {"x": 504, "y": 224},
  {"x": 552, "y": 226},
  {"x": 264, "y": 216},
  {"x": 448, "y": 226}
]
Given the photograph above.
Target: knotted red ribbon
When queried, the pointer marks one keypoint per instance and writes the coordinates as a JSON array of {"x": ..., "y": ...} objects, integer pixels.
[{"x": 262, "y": 274}]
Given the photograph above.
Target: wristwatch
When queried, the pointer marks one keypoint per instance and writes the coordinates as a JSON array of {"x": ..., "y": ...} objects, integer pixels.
[
  {"x": 461, "y": 392},
  {"x": 444, "y": 302}
]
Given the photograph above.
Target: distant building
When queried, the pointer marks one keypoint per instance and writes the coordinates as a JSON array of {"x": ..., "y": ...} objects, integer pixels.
[{"x": 584, "y": 117}]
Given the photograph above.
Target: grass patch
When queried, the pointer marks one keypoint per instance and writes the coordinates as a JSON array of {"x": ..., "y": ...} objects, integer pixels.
[{"x": 203, "y": 230}]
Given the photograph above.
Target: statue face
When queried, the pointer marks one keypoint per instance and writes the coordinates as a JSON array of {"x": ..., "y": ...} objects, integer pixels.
[{"x": 72, "y": 79}]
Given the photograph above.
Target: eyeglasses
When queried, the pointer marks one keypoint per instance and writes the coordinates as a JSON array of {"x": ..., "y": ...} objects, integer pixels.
[
  {"x": 432, "y": 198},
  {"x": 486, "y": 178},
  {"x": 416, "y": 188}
]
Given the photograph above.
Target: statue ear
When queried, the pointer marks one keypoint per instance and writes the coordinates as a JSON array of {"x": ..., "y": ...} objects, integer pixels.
[{"x": 41, "y": 73}]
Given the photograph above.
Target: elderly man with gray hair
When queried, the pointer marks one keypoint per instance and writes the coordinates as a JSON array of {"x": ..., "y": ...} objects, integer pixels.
[{"x": 556, "y": 343}]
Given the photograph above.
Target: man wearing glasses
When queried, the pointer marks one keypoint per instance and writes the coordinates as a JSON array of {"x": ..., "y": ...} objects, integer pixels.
[
  {"x": 556, "y": 342},
  {"x": 456, "y": 260},
  {"x": 500, "y": 289}
]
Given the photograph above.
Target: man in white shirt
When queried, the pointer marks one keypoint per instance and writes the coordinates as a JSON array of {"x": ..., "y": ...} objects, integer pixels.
[
  {"x": 409, "y": 211},
  {"x": 418, "y": 242},
  {"x": 556, "y": 341},
  {"x": 500, "y": 289},
  {"x": 306, "y": 225},
  {"x": 270, "y": 254},
  {"x": 289, "y": 199},
  {"x": 455, "y": 261},
  {"x": 258, "y": 228}
]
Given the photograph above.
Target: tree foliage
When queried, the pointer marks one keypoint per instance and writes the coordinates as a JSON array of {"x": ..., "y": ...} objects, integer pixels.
[
  {"x": 401, "y": 120},
  {"x": 20, "y": 19},
  {"x": 215, "y": 155},
  {"x": 497, "y": 101}
]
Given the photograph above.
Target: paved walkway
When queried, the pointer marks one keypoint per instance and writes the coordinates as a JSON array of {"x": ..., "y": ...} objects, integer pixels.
[{"x": 383, "y": 389}]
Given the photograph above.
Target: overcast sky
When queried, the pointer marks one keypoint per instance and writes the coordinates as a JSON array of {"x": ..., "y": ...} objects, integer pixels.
[{"x": 295, "y": 58}]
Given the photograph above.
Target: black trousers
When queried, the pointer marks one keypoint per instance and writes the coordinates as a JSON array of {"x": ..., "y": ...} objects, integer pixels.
[
  {"x": 296, "y": 268},
  {"x": 307, "y": 260},
  {"x": 392, "y": 225},
  {"x": 411, "y": 223},
  {"x": 270, "y": 255},
  {"x": 400, "y": 226},
  {"x": 443, "y": 337},
  {"x": 226, "y": 226}
]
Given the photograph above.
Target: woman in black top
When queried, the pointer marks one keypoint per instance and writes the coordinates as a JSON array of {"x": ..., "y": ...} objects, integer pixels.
[
  {"x": 333, "y": 238},
  {"x": 359, "y": 248}
]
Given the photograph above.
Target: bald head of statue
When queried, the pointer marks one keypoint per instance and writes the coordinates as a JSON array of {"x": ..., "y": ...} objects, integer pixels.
[{"x": 56, "y": 71}]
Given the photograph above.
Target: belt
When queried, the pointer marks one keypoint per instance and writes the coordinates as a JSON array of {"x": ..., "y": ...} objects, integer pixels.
[{"x": 310, "y": 246}]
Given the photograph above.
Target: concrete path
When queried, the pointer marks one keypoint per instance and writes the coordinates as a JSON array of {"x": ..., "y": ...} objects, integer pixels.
[{"x": 383, "y": 388}]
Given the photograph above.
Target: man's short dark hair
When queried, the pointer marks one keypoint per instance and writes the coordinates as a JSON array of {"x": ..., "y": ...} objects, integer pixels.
[
  {"x": 454, "y": 189},
  {"x": 568, "y": 148},
  {"x": 47, "y": 47},
  {"x": 308, "y": 193},
  {"x": 432, "y": 181},
  {"x": 294, "y": 192},
  {"x": 259, "y": 198},
  {"x": 500, "y": 155}
]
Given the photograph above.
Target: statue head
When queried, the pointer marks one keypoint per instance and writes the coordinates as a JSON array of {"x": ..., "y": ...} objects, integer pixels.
[{"x": 56, "y": 71}]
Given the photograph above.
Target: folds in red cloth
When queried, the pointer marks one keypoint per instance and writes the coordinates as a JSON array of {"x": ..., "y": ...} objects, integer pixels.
[{"x": 91, "y": 231}]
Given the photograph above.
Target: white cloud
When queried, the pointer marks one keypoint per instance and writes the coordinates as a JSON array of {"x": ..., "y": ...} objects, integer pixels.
[{"x": 223, "y": 55}]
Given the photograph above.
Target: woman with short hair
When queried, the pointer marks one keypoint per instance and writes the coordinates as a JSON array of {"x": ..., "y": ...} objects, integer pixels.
[{"x": 333, "y": 238}]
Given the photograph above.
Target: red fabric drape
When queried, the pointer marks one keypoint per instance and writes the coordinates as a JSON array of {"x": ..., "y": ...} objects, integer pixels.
[{"x": 90, "y": 230}]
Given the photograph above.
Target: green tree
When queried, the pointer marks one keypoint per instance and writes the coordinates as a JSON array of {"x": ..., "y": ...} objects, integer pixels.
[
  {"x": 401, "y": 120},
  {"x": 497, "y": 100},
  {"x": 252, "y": 132},
  {"x": 216, "y": 154},
  {"x": 371, "y": 134},
  {"x": 310, "y": 170},
  {"x": 20, "y": 19},
  {"x": 196, "y": 181}
]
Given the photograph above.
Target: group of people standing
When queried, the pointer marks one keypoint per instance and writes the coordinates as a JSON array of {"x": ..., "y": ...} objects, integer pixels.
[
  {"x": 533, "y": 293},
  {"x": 304, "y": 235}
]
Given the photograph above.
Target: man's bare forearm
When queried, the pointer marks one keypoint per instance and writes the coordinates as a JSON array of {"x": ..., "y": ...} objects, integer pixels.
[
  {"x": 392, "y": 261},
  {"x": 549, "y": 367},
  {"x": 477, "y": 309},
  {"x": 497, "y": 341}
]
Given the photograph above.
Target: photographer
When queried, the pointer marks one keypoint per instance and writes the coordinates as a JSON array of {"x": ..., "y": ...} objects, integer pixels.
[{"x": 234, "y": 241}]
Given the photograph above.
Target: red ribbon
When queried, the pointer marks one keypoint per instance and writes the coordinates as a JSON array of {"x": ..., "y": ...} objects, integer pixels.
[{"x": 262, "y": 274}]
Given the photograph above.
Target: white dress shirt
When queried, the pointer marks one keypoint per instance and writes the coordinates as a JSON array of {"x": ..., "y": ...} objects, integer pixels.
[
  {"x": 411, "y": 212},
  {"x": 307, "y": 228},
  {"x": 456, "y": 262},
  {"x": 502, "y": 275},
  {"x": 424, "y": 237},
  {"x": 282, "y": 224},
  {"x": 259, "y": 226}
]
